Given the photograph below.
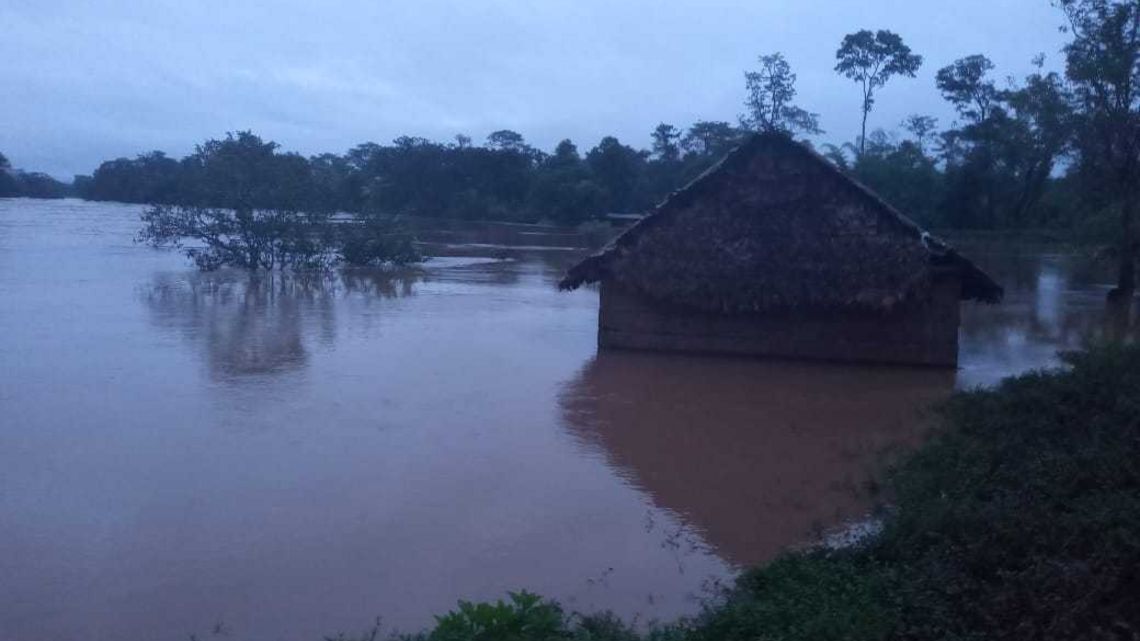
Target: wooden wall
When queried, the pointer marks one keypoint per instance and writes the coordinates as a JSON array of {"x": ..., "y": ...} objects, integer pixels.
[{"x": 925, "y": 334}]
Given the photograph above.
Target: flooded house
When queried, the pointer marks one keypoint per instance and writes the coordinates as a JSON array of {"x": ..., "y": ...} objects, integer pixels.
[{"x": 776, "y": 252}]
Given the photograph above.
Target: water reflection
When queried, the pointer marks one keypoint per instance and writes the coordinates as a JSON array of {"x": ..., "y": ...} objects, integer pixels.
[
  {"x": 379, "y": 443},
  {"x": 376, "y": 283},
  {"x": 1054, "y": 302},
  {"x": 255, "y": 324},
  {"x": 756, "y": 455}
]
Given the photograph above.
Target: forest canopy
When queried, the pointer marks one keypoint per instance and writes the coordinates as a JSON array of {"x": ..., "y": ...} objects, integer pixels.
[{"x": 1055, "y": 149}]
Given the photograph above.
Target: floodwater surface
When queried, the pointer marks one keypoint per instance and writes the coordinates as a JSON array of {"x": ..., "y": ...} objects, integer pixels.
[{"x": 286, "y": 458}]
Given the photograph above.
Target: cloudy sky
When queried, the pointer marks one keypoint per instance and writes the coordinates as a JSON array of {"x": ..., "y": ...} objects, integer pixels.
[{"x": 84, "y": 81}]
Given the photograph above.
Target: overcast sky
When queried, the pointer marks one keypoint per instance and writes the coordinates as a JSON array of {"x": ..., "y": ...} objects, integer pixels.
[{"x": 82, "y": 82}]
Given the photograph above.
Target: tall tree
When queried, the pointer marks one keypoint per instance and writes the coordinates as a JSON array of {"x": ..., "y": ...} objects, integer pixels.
[
  {"x": 1036, "y": 133},
  {"x": 871, "y": 58},
  {"x": 665, "y": 139},
  {"x": 970, "y": 149},
  {"x": 1103, "y": 65},
  {"x": 771, "y": 90},
  {"x": 965, "y": 84}
]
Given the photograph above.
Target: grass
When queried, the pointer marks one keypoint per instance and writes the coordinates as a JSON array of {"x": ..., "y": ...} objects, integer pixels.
[{"x": 1019, "y": 520}]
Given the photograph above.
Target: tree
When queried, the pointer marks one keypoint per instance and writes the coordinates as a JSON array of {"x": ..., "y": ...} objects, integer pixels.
[
  {"x": 970, "y": 150},
  {"x": 871, "y": 59},
  {"x": 566, "y": 154},
  {"x": 771, "y": 90},
  {"x": 148, "y": 178},
  {"x": 922, "y": 128},
  {"x": 665, "y": 139},
  {"x": 710, "y": 138},
  {"x": 1035, "y": 135},
  {"x": 239, "y": 212},
  {"x": 564, "y": 190},
  {"x": 1103, "y": 65},
  {"x": 8, "y": 187},
  {"x": 965, "y": 85},
  {"x": 902, "y": 174},
  {"x": 507, "y": 140},
  {"x": 251, "y": 207},
  {"x": 999, "y": 161},
  {"x": 334, "y": 184},
  {"x": 40, "y": 185},
  {"x": 617, "y": 168},
  {"x": 16, "y": 183}
]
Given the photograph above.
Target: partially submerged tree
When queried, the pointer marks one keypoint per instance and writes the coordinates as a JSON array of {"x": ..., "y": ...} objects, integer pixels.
[
  {"x": 251, "y": 207},
  {"x": 771, "y": 92},
  {"x": 871, "y": 58}
]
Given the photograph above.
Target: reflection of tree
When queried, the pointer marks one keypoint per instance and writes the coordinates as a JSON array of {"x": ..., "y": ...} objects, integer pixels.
[
  {"x": 1054, "y": 301},
  {"x": 755, "y": 454},
  {"x": 381, "y": 283},
  {"x": 257, "y": 323}
]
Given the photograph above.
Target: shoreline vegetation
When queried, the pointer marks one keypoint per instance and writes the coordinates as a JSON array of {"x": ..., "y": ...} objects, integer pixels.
[
  {"x": 1055, "y": 149},
  {"x": 246, "y": 205},
  {"x": 1019, "y": 519}
]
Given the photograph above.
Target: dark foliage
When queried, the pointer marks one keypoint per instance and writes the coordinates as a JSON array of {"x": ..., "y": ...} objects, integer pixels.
[
  {"x": 243, "y": 204},
  {"x": 505, "y": 179},
  {"x": 1048, "y": 151},
  {"x": 20, "y": 184},
  {"x": 1023, "y": 519}
]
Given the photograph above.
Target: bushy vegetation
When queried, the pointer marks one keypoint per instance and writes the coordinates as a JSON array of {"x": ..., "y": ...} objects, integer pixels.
[
  {"x": 1019, "y": 520},
  {"x": 504, "y": 179},
  {"x": 15, "y": 183},
  {"x": 249, "y": 206},
  {"x": 1023, "y": 519}
]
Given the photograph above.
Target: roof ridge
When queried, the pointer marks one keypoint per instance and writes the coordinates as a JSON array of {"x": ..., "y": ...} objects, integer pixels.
[{"x": 592, "y": 268}]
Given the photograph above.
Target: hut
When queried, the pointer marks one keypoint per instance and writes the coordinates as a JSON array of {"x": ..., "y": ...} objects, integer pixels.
[{"x": 776, "y": 252}]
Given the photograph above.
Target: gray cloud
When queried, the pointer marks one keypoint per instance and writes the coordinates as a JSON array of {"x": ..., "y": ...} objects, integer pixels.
[{"x": 87, "y": 81}]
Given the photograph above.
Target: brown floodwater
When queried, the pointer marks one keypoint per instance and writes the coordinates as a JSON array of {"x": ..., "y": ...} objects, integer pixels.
[{"x": 284, "y": 458}]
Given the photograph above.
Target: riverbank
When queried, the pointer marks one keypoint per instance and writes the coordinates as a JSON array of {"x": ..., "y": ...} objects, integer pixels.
[{"x": 1020, "y": 519}]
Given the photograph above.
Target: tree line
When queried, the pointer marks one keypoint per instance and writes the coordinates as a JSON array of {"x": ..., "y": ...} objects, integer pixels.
[
  {"x": 15, "y": 183},
  {"x": 504, "y": 178},
  {"x": 1050, "y": 150}
]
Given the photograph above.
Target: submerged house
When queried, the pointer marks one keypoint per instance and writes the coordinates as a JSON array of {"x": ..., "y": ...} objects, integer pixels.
[{"x": 776, "y": 252}]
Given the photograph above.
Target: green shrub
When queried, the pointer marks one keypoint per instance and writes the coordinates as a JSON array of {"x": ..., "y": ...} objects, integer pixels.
[{"x": 811, "y": 597}]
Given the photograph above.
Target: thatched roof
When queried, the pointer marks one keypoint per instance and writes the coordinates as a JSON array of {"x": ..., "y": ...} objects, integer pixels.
[{"x": 775, "y": 226}]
